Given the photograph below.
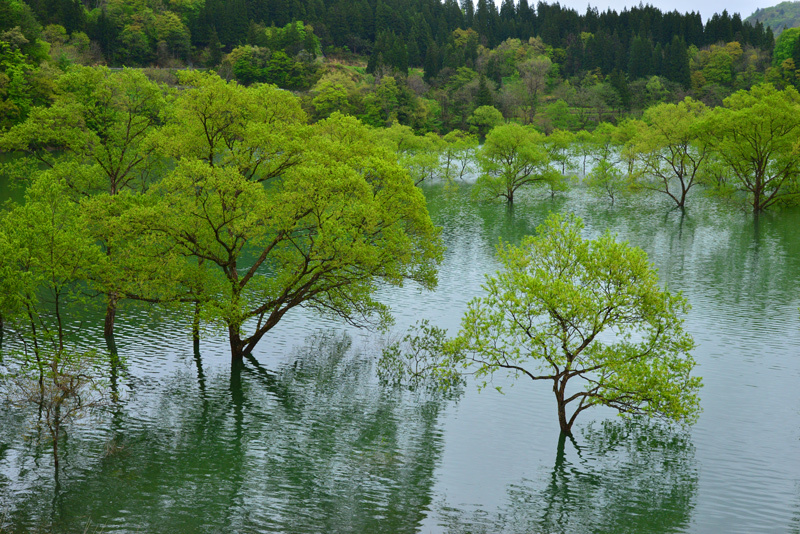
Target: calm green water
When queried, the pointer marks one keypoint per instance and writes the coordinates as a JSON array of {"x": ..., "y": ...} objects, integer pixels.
[{"x": 302, "y": 438}]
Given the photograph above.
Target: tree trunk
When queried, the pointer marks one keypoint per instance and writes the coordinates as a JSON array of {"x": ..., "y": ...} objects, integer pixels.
[
  {"x": 237, "y": 346},
  {"x": 111, "y": 315},
  {"x": 563, "y": 422},
  {"x": 566, "y": 428},
  {"x": 196, "y": 327}
]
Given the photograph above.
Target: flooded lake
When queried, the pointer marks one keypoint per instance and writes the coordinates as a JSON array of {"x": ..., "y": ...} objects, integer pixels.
[{"x": 302, "y": 437}]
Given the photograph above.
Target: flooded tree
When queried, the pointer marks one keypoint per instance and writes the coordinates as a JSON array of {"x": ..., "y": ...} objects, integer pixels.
[
  {"x": 585, "y": 315},
  {"x": 275, "y": 214}
]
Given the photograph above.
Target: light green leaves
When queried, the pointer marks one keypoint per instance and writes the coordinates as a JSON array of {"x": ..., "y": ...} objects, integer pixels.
[
  {"x": 512, "y": 157},
  {"x": 589, "y": 311}
]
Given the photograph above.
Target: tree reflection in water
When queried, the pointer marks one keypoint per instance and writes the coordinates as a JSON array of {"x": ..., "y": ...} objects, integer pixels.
[
  {"x": 618, "y": 476},
  {"x": 314, "y": 446}
]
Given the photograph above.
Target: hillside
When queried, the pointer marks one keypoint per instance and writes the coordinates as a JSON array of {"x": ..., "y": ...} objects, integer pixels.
[{"x": 784, "y": 15}]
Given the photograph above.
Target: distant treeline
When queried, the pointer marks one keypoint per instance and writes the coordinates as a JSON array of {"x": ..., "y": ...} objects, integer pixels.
[{"x": 144, "y": 32}]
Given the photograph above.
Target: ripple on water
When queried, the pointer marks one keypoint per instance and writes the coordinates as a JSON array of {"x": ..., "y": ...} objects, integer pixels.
[{"x": 303, "y": 439}]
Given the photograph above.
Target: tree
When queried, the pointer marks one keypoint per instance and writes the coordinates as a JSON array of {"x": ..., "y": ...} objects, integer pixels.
[
  {"x": 566, "y": 309},
  {"x": 64, "y": 390},
  {"x": 282, "y": 214},
  {"x": 512, "y": 157},
  {"x": 533, "y": 74},
  {"x": 605, "y": 178},
  {"x": 755, "y": 137},
  {"x": 676, "y": 62},
  {"x": 98, "y": 137},
  {"x": 420, "y": 155},
  {"x": 45, "y": 253},
  {"x": 785, "y": 45},
  {"x": 559, "y": 146},
  {"x": 671, "y": 152},
  {"x": 484, "y": 118},
  {"x": 458, "y": 155}
]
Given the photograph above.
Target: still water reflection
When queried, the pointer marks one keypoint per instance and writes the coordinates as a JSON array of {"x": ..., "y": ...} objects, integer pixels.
[{"x": 302, "y": 437}]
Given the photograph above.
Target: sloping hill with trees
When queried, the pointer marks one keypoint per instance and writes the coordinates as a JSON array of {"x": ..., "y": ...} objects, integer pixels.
[{"x": 780, "y": 17}]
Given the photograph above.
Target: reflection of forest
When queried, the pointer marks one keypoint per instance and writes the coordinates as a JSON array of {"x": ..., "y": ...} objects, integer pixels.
[
  {"x": 618, "y": 476},
  {"x": 314, "y": 446}
]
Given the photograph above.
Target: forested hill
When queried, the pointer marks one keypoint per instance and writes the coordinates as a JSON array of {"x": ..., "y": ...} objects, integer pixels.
[
  {"x": 431, "y": 65},
  {"x": 780, "y": 17},
  {"x": 145, "y": 32}
]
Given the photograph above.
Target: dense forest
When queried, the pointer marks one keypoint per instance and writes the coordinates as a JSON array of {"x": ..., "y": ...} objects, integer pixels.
[
  {"x": 264, "y": 155},
  {"x": 779, "y": 17},
  {"x": 428, "y": 64}
]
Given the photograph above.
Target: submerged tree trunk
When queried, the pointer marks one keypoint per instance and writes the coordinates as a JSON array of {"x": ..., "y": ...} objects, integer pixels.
[
  {"x": 563, "y": 422},
  {"x": 111, "y": 315},
  {"x": 196, "y": 327},
  {"x": 237, "y": 345}
]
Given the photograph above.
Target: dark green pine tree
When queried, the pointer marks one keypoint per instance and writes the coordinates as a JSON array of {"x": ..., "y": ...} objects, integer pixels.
[
  {"x": 383, "y": 18},
  {"x": 105, "y": 33},
  {"x": 508, "y": 15},
  {"x": 453, "y": 15},
  {"x": 620, "y": 83},
  {"x": 481, "y": 24},
  {"x": 73, "y": 16},
  {"x": 433, "y": 61},
  {"x": 658, "y": 60},
  {"x": 525, "y": 20},
  {"x": 214, "y": 49},
  {"x": 676, "y": 62},
  {"x": 640, "y": 63},
  {"x": 484, "y": 96},
  {"x": 469, "y": 13},
  {"x": 397, "y": 56}
]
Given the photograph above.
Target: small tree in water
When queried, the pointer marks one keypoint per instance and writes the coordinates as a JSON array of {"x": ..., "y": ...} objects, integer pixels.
[
  {"x": 62, "y": 387},
  {"x": 587, "y": 316}
]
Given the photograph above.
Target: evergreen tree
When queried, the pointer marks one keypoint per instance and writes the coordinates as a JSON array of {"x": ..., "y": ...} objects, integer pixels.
[
  {"x": 482, "y": 19},
  {"x": 432, "y": 61},
  {"x": 484, "y": 95},
  {"x": 469, "y": 13},
  {"x": 526, "y": 20},
  {"x": 620, "y": 84},
  {"x": 640, "y": 63},
  {"x": 676, "y": 62}
]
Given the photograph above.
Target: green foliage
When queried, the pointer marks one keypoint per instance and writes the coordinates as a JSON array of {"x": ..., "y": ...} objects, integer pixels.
[
  {"x": 785, "y": 46},
  {"x": 605, "y": 179},
  {"x": 458, "y": 158},
  {"x": 484, "y": 118},
  {"x": 779, "y": 17},
  {"x": 46, "y": 254},
  {"x": 419, "y": 154},
  {"x": 333, "y": 92},
  {"x": 606, "y": 146},
  {"x": 253, "y": 64},
  {"x": 512, "y": 157},
  {"x": 566, "y": 309},
  {"x": 754, "y": 136},
  {"x": 275, "y": 214},
  {"x": 420, "y": 361},
  {"x": 672, "y": 150}
]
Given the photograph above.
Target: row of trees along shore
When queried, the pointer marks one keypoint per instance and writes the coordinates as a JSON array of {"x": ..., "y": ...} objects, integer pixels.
[
  {"x": 427, "y": 65},
  {"x": 226, "y": 199},
  {"x": 242, "y": 201}
]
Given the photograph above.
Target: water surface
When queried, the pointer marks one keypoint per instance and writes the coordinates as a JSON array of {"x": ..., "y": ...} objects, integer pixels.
[{"x": 303, "y": 438}]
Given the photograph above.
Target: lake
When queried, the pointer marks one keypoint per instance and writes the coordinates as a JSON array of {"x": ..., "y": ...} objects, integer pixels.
[{"x": 302, "y": 437}]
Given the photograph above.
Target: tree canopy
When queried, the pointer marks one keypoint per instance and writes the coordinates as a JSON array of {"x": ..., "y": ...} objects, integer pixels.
[
  {"x": 277, "y": 214},
  {"x": 587, "y": 316},
  {"x": 754, "y": 135}
]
